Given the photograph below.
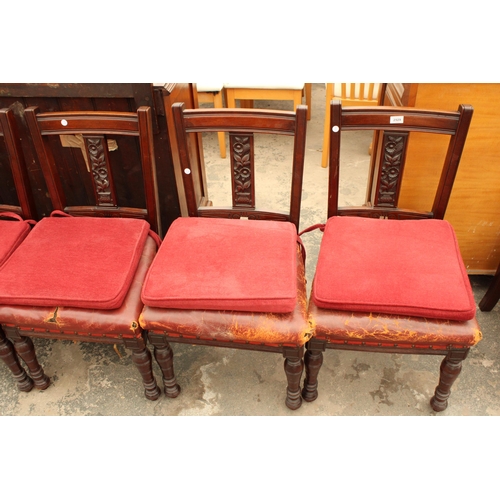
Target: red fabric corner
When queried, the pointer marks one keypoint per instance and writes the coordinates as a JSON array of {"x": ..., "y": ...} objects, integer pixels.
[
  {"x": 223, "y": 264},
  {"x": 12, "y": 233},
  {"x": 402, "y": 267},
  {"x": 84, "y": 262}
]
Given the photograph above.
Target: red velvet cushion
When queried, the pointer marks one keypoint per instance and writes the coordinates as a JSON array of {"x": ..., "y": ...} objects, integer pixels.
[
  {"x": 411, "y": 267},
  {"x": 11, "y": 235},
  {"x": 85, "y": 262},
  {"x": 222, "y": 264}
]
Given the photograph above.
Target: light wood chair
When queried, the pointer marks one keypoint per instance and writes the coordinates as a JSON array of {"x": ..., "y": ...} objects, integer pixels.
[
  {"x": 212, "y": 93},
  {"x": 350, "y": 94},
  {"x": 269, "y": 92}
]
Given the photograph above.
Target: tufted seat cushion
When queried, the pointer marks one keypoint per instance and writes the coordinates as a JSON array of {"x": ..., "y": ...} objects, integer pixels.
[
  {"x": 12, "y": 233},
  {"x": 83, "y": 262},
  {"x": 401, "y": 267},
  {"x": 222, "y": 264}
]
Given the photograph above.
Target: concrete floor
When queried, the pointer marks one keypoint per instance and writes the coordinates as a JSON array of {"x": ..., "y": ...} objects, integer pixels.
[{"x": 92, "y": 379}]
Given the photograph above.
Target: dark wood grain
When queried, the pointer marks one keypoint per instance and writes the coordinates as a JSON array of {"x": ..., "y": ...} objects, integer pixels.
[{"x": 9, "y": 357}]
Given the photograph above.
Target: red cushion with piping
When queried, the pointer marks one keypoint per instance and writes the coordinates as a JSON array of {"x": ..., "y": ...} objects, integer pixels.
[
  {"x": 223, "y": 264},
  {"x": 11, "y": 235},
  {"x": 85, "y": 262},
  {"x": 402, "y": 267}
]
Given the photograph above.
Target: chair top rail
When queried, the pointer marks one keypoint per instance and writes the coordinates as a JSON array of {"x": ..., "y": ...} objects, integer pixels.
[
  {"x": 400, "y": 118},
  {"x": 240, "y": 120},
  {"x": 92, "y": 122}
]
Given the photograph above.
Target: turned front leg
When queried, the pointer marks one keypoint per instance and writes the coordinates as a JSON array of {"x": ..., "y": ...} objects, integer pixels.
[
  {"x": 26, "y": 351},
  {"x": 294, "y": 366},
  {"x": 143, "y": 361},
  {"x": 451, "y": 366},
  {"x": 9, "y": 357},
  {"x": 165, "y": 359},
  {"x": 313, "y": 361}
]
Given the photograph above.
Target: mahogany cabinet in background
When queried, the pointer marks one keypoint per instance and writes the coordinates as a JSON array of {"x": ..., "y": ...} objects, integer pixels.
[{"x": 102, "y": 97}]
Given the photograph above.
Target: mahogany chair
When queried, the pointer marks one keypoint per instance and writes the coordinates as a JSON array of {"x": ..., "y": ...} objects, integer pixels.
[
  {"x": 391, "y": 279},
  {"x": 14, "y": 228},
  {"x": 220, "y": 279},
  {"x": 78, "y": 274}
]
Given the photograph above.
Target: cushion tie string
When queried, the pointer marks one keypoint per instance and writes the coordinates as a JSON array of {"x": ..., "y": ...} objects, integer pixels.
[
  {"x": 302, "y": 249},
  {"x": 13, "y": 215},
  {"x": 321, "y": 227},
  {"x": 60, "y": 213},
  {"x": 300, "y": 242},
  {"x": 155, "y": 237}
]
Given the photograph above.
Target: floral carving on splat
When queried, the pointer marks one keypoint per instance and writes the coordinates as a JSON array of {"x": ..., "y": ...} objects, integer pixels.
[
  {"x": 242, "y": 171},
  {"x": 100, "y": 171},
  {"x": 391, "y": 169}
]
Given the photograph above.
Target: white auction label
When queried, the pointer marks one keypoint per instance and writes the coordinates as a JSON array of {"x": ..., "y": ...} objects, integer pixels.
[{"x": 397, "y": 119}]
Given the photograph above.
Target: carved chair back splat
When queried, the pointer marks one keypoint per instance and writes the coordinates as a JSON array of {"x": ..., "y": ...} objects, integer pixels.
[
  {"x": 101, "y": 251},
  {"x": 226, "y": 260},
  {"x": 404, "y": 285}
]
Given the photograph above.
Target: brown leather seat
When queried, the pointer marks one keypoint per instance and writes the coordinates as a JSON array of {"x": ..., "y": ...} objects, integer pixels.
[
  {"x": 390, "y": 331},
  {"x": 249, "y": 328}
]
